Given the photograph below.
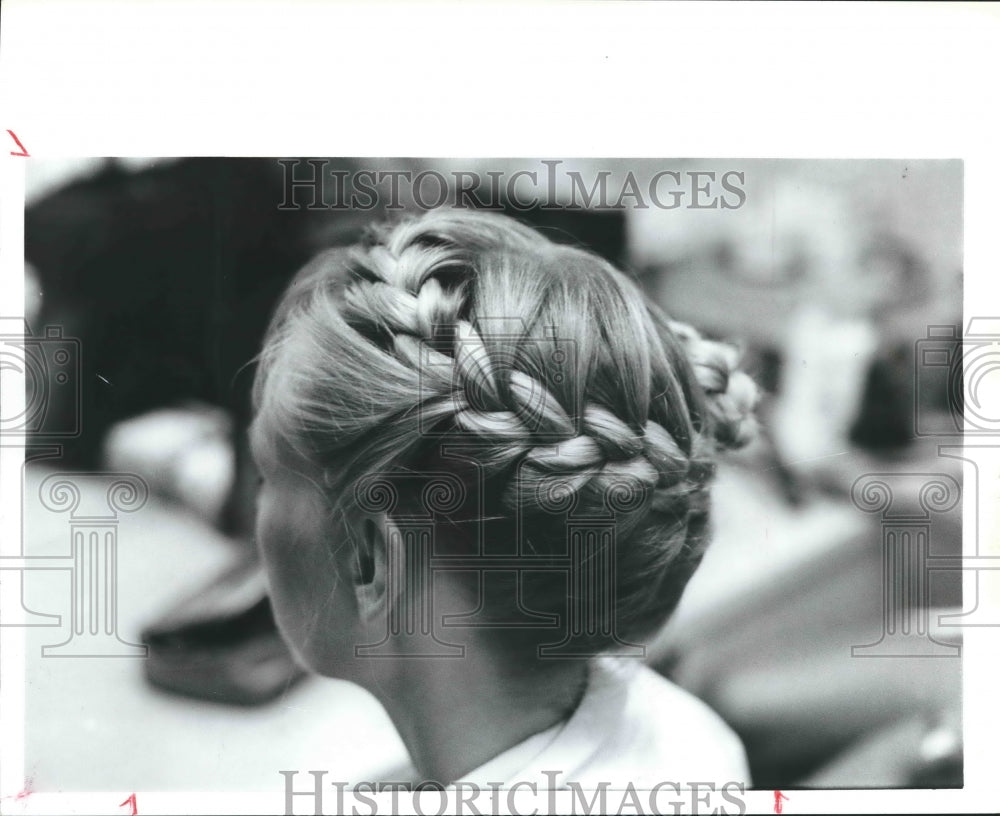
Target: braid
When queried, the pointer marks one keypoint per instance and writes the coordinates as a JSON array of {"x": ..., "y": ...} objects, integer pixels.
[
  {"x": 732, "y": 395},
  {"x": 627, "y": 429},
  {"x": 407, "y": 299}
]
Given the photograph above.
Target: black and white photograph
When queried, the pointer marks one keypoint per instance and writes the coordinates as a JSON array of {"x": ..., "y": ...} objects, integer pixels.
[{"x": 480, "y": 484}]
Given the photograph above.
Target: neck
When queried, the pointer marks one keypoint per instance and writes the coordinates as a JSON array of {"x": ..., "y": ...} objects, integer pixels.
[{"x": 456, "y": 714}]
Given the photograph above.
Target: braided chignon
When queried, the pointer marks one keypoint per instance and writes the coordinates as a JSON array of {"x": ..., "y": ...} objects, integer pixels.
[{"x": 379, "y": 350}]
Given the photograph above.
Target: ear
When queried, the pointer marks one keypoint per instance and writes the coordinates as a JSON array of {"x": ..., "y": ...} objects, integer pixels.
[{"x": 371, "y": 569}]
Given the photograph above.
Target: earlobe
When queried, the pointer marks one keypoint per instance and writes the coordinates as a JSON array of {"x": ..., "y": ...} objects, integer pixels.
[{"x": 372, "y": 565}]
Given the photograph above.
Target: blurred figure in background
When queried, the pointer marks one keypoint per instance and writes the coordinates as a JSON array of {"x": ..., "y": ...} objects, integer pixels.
[{"x": 844, "y": 385}]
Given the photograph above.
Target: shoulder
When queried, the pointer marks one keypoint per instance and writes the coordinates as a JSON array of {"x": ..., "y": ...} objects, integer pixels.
[
  {"x": 662, "y": 700},
  {"x": 660, "y": 732}
]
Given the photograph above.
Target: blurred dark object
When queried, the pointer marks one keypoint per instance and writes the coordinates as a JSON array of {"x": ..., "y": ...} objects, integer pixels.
[
  {"x": 895, "y": 394},
  {"x": 221, "y": 643},
  {"x": 897, "y": 386},
  {"x": 885, "y": 416},
  {"x": 167, "y": 277},
  {"x": 601, "y": 231}
]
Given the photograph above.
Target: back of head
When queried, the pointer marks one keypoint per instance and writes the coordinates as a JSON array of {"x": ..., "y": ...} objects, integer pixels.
[{"x": 534, "y": 376}]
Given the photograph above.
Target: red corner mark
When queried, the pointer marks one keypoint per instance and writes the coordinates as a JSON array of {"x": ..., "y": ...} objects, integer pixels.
[
  {"x": 25, "y": 792},
  {"x": 131, "y": 802},
  {"x": 18, "y": 142},
  {"x": 778, "y": 797}
]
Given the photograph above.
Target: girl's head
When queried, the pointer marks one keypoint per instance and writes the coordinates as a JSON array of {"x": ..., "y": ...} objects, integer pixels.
[{"x": 462, "y": 375}]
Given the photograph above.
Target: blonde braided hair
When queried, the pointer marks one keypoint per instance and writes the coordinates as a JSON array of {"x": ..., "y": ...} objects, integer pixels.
[{"x": 380, "y": 354}]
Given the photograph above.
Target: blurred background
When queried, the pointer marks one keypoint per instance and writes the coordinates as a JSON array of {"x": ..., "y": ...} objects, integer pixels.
[{"x": 827, "y": 273}]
